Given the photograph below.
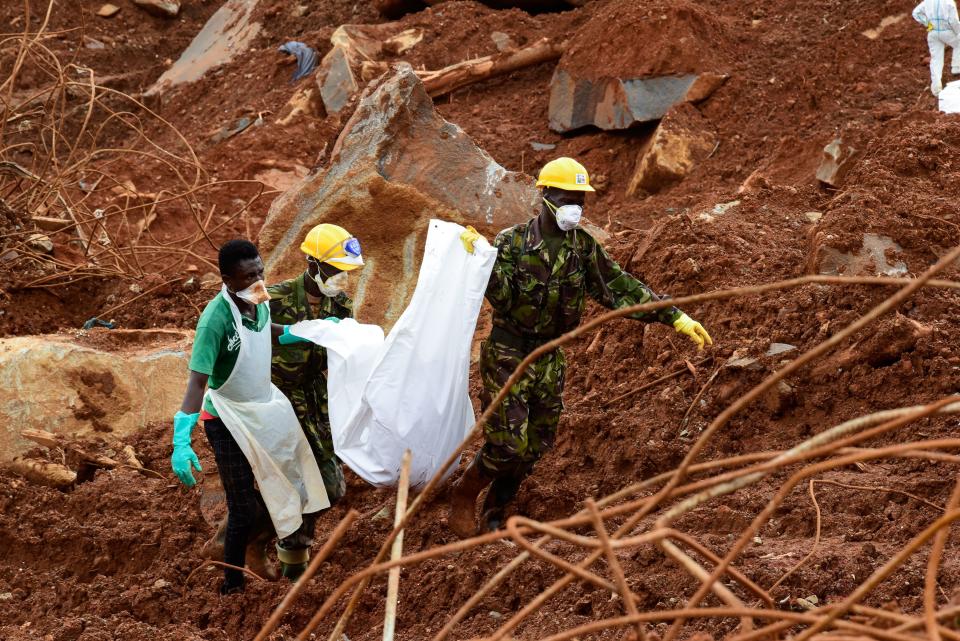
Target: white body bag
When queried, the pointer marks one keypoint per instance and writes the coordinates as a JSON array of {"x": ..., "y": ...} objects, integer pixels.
[{"x": 408, "y": 391}]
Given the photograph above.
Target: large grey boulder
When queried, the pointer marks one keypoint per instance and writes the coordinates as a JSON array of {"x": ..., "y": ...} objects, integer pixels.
[
  {"x": 632, "y": 61},
  {"x": 228, "y": 33},
  {"x": 396, "y": 164}
]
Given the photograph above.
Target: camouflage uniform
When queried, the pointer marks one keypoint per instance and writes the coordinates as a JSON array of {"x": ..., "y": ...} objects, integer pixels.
[
  {"x": 537, "y": 297},
  {"x": 299, "y": 370}
]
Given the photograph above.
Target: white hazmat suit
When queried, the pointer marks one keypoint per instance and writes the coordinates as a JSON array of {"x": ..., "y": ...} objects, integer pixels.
[{"x": 943, "y": 30}]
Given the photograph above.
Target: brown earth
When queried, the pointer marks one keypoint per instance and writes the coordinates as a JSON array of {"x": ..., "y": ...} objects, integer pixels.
[{"x": 109, "y": 560}]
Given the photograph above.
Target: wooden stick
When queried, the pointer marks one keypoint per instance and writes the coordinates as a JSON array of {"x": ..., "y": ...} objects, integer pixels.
[
  {"x": 637, "y": 390},
  {"x": 393, "y": 580},
  {"x": 53, "y": 441},
  {"x": 301, "y": 583},
  {"x": 448, "y": 79},
  {"x": 615, "y": 568}
]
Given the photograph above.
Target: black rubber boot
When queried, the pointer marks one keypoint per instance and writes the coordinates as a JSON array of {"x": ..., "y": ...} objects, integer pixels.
[
  {"x": 502, "y": 491},
  {"x": 293, "y": 562}
]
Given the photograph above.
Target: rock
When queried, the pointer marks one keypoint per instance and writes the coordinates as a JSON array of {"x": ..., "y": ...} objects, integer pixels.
[
  {"x": 305, "y": 101},
  {"x": 230, "y": 130},
  {"x": 617, "y": 103},
  {"x": 191, "y": 285},
  {"x": 503, "y": 41},
  {"x": 779, "y": 348},
  {"x": 94, "y": 44},
  {"x": 108, "y": 11},
  {"x": 780, "y": 398},
  {"x": 739, "y": 360},
  {"x": 339, "y": 74},
  {"x": 40, "y": 243},
  {"x": 682, "y": 139},
  {"x": 114, "y": 380},
  {"x": 718, "y": 210},
  {"x": 813, "y": 216},
  {"x": 542, "y": 146},
  {"x": 495, "y": 615},
  {"x": 162, "y": 8},
  {"x": 337, "y": 80},
  {"x": 396, "y": 164},
  {"x": 160, "y": 584},
  {"x": 661, "y": 54},
  {"x": 806, "y": 604},
  {"x": 835, "y": 163},
  {"x": 874, "y": 258},
  {"x": 210, "y": 280},
  {"x": 889, "y": 342},
  {"x": 227, "y": 34}
]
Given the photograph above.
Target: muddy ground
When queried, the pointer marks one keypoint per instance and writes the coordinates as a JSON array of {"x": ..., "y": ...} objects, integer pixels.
[{"x": 109, "y": 560}]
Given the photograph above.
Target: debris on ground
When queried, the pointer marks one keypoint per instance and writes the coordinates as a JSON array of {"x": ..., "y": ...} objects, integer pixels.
[{"x": 111, "y": 163}]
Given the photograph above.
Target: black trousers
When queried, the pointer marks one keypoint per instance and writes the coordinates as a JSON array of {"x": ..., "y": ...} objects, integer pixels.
[{"x": 245, "y": 506}]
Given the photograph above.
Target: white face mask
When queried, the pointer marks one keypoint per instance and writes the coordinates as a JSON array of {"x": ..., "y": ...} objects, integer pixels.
[
  {"x": 255, "y": 294},
  {"x": 568, "y": 216},
  {"x": 333, "y": 285}
]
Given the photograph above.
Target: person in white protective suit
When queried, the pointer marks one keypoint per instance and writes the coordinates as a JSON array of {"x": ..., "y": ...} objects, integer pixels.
[
  {"x": 263, "y": 458},
  {"x": 943, "y": 30}
]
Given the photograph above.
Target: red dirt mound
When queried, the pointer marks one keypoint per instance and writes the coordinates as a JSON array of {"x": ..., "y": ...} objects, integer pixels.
[{"x": 641, "y": 39}]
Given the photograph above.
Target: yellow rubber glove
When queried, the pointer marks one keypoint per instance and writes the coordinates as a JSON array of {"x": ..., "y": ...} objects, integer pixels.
[
  {"x": 929, "y": 27},
  {"x": 693, "y": 330},
  {"x": 468, "y": 238}
]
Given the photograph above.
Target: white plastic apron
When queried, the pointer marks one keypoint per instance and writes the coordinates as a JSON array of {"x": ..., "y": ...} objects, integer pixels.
[{"x": 264, "y": 425}]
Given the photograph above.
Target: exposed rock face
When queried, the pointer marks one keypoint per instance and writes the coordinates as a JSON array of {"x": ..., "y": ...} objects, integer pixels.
[
  {"x": 227, "y": 33},
  {"x": 661, "y": 54},
  {"x": 617, "y": 103},
  {"x": 396, "y": 164},
  {"x": 109, "y": 381},
  {"x": 682, "y": 139}
]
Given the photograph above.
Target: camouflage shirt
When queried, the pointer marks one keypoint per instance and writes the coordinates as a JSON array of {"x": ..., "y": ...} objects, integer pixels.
[
  {"x": 299, "y": 370},
  {"x": 539, "y": 296}
]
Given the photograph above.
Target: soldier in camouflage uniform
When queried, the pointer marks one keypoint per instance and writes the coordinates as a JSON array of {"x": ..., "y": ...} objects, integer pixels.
[
  {"x": 300, "y": 366},
  {"x": 544, "y": 270},
  {"x": 300, "y": 369}
]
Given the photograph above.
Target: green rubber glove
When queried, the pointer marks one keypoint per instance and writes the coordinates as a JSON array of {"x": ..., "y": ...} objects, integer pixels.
[
  {"x": 183, "y": 455},
  {"x": 286, "y": 338},
  {"x": 332, "y": 319}
]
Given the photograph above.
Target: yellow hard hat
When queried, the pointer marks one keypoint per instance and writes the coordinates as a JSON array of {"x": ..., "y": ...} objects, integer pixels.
[
  {"x": 334, "y": 245},
  {"x": 566, "y": 174}
]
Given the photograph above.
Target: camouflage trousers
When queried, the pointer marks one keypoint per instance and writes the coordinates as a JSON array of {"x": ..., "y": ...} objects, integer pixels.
[
  {"x": 524, "y": 427},
  {"x": 316, "y": 427}
]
